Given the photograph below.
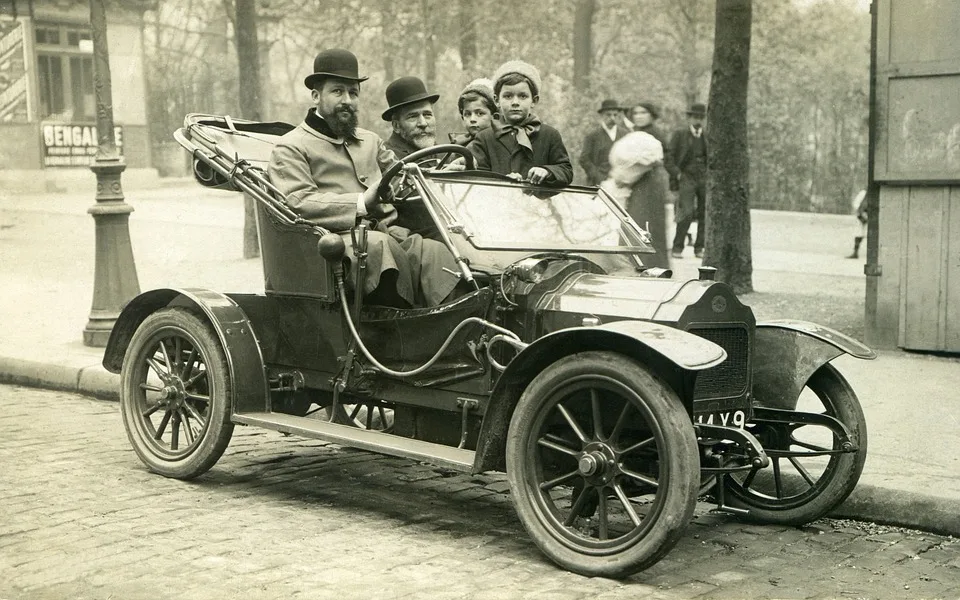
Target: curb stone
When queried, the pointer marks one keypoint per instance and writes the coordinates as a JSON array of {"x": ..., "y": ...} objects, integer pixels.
[{"x": 902, "y": 508}]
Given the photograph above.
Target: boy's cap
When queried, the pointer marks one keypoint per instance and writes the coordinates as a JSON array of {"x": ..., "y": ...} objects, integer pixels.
[
  {"x": 521, "y": 68},
  {"x": 482, "y": 86}
]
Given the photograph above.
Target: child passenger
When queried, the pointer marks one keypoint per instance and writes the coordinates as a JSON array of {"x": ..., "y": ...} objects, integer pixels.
[
  {"x": 518, "y": 144},
  {"x": 477, "y": 110}
]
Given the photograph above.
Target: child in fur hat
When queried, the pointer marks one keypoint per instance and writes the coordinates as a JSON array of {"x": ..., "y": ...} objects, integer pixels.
[
  {"x": 519, "y": 145},
  {"x": 477, "y": 110}
]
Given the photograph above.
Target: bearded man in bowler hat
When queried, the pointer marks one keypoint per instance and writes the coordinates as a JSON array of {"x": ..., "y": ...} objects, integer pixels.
[
  {"x": 688, "y": 177},
  {"x": 328, "y": 170},
  {"x": 410, "y": 113},
  {"x": 595, "y": 157}
]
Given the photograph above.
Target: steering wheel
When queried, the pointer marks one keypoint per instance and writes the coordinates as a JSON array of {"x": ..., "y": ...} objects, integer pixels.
[{"x": 447, "y": 150}]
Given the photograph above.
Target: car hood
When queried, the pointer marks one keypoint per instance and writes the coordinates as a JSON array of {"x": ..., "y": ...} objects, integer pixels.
[{"x": 625, "y": 297}]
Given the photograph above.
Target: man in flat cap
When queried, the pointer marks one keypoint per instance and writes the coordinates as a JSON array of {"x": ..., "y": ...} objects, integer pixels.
[{"x": 328, "y": 170}]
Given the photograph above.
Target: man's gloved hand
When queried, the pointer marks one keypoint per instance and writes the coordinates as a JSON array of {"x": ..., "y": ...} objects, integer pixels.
[
  {"x": 370, "y": 197},
  {"x": 374, "y": 204}
]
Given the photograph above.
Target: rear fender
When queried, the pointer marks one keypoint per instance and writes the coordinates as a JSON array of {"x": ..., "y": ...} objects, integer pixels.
[
  {"x": 247, "y": 374},
  {"x": 786, "y": 353},
  {"x": 671, "y": 353}
]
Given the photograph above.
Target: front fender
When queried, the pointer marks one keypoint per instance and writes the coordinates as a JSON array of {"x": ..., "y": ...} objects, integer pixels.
[
  {"x": 662, "y": 348},
  {"x": 786, "y": 353},
  {"x": 240, "y": 345}
]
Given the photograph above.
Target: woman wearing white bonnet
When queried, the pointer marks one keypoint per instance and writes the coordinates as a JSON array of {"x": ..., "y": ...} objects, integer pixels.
[{"x": 638, "y": 181}]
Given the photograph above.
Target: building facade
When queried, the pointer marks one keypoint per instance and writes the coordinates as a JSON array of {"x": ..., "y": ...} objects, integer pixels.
[{"x": 48, "y": 120}]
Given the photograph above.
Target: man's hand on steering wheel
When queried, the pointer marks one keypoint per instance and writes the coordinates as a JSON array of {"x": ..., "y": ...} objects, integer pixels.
[{"x": 373, "y": 198}]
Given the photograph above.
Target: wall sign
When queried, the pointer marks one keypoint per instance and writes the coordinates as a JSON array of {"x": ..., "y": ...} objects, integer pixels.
[{"x": 69, "y": 145}]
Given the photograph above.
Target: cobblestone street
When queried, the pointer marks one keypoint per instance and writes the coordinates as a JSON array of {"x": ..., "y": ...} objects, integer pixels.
[{"x": 281, "y": 517}]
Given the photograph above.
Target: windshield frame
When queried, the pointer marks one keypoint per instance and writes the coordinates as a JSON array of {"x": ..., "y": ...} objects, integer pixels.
[{"x": 640, "y": 244}]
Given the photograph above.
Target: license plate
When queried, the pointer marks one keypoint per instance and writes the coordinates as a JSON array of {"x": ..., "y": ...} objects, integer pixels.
[{"x": 730, "y": 418}]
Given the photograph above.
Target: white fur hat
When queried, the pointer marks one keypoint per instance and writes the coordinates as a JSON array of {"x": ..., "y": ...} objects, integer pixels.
[
  {"x": 521, "y": 68},
  {"x": 631, "y": 154}
]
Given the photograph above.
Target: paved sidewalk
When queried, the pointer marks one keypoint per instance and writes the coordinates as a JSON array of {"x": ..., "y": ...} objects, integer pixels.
[{"x": 186, "y": 236}]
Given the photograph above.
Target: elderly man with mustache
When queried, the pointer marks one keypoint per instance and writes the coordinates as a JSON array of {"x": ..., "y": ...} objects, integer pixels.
[
  {"x": 328, "y": 170},
  {"x": 410, "y": 113}
]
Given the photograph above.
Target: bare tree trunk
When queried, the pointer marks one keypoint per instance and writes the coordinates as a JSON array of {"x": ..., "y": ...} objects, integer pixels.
[
  {"x": 583, "y": 43},
  {"x": 429, "y": 50},
  {"x": 688, "y": 18},
  {"x": 468, "y": 37},
  {"x": 387, "y": 35},
  {"x": 248, "y": 61},
  {"x": 728, "y": 180}
]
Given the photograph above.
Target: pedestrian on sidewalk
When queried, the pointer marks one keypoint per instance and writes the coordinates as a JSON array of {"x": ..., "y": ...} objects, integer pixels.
[
  {"x": 636, "y": 180},
  {"x": 688, "y": 177},
  {"x": 594, "y": 158},
  {"x": 859, "y": 206}
]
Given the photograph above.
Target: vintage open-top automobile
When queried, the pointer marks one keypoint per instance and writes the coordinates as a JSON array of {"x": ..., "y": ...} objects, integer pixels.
[{"x": 612, "y": 395}]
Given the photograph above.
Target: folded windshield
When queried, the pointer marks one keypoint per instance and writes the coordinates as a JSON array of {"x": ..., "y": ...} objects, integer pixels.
[{"x": 508, "y": 216}]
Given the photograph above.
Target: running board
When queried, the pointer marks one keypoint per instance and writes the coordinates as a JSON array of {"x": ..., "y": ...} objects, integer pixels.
[{"x": 345, "y": 435}]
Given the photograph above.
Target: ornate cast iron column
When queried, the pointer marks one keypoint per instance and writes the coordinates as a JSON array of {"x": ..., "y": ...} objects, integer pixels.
[{"x": 115, "y": 276}]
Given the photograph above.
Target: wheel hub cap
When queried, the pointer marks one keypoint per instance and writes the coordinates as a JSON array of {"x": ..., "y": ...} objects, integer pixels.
[
  {"x": 598, "y": 464},
  {"x": 589, "y": 464},
  {"x": 173, "y": 394}
]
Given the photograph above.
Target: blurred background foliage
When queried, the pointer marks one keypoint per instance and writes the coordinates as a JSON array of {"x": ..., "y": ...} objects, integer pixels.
[{"x": 809, "y": 70}]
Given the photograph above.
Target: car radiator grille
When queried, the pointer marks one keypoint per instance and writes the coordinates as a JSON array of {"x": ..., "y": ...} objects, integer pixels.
[{"x": 729, "y": 378}]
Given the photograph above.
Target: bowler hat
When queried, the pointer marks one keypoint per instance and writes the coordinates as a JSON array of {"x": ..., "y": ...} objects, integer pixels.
[
  {"x": 697, "y": 110},
  {"x": 609, "y": 104},
  {"x": 406, "y": 90},
  {"x": 334, "y": 62}
]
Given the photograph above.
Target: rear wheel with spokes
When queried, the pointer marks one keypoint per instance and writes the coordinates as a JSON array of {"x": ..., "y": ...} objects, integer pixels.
[
  {"x": 175, "y": 394},
  {"x": 603, "y": 464},
  {"x": 372, "y": 415},
  {"x": 808, "y": 474}
]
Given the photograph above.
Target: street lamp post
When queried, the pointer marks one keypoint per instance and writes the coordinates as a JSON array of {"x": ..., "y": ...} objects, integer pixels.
[{"x": 115, "y": 275}]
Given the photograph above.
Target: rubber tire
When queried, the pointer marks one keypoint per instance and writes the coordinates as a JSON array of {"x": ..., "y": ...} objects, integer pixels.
[
  {"x": 682, "y": 460},
  {"x": 219, "y": 429},
  {"x": 843, "y": 476}
]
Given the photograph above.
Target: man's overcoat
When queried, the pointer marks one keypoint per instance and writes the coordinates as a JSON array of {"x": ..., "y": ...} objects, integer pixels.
[
  {"x": 322, "y": 177},
  {"x": 595, "y": 156}
]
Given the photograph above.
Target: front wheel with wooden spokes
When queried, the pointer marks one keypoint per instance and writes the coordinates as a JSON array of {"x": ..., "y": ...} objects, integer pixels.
[
  {"x": 603, "y": 464},
  {"x": 175, "y": 394}
]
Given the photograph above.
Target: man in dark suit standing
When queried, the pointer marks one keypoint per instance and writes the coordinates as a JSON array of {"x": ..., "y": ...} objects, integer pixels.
[
  {"x": 688, "y": 176},
  {"x": 595, "y": 157}
]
